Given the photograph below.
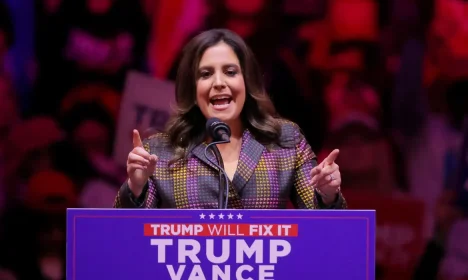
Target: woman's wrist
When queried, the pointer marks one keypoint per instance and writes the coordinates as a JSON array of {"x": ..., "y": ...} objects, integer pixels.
[{"x": 136, "y": 191}]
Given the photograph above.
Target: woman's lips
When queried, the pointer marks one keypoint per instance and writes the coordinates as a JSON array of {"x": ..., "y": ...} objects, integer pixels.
[{"x": 220, "y": 104}]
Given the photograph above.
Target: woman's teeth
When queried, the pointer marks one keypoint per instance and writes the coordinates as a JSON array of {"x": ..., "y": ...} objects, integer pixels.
[{"x": 221, "y": 101}]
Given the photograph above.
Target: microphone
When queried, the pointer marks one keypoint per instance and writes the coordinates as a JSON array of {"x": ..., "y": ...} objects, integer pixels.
[
  {"x": 220, "y": 133},
  {"x": 218, "y": 130}
]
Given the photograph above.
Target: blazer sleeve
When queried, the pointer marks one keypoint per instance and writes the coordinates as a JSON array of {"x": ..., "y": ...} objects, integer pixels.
[
  {"x": 304, "y": 195},
  {"x": 147, "y": 198},
  {"x": 126, "y": 199}
]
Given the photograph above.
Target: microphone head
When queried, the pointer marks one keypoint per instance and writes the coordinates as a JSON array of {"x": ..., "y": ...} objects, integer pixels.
[{"x": 215, "y": 128}]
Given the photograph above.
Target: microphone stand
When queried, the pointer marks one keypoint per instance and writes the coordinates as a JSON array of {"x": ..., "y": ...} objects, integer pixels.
[{"x": 224, "y": 184}]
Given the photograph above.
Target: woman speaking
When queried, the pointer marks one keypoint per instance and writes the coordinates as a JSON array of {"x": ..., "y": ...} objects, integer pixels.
[{"x": 267, "y": 160}]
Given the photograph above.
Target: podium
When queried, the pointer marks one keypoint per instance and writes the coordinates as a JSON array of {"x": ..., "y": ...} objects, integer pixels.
[{"x": 220, "y": 244}]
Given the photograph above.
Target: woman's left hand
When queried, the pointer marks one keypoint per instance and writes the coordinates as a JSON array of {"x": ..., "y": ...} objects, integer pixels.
[{"x": 326, "y": 178}]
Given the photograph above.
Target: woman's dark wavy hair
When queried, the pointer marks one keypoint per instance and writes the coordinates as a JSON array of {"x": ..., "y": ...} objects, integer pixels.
[{"x": 186, "y": 129}]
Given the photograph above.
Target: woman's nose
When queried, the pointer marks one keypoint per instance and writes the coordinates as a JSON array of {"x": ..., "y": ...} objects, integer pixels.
[{"x": 219, "y": 82}]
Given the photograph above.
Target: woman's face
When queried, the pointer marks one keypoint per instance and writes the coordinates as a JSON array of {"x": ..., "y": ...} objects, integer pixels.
[{"x": 220, "y": 84}]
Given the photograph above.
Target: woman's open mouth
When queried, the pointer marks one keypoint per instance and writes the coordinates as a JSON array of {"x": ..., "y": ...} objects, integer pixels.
[{"x": 220, "y": 102}]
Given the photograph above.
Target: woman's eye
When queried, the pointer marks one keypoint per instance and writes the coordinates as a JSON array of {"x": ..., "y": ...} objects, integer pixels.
[
  {"x": 231, "y": 72},
  {"x": 205, "y": 74}
]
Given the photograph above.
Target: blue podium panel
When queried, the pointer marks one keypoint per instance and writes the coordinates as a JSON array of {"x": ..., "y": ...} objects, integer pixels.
[{"x": 220, "y": 244}]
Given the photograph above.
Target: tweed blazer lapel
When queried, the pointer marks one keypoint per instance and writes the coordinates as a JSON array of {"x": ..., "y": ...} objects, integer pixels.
[
  {"x": 199, "y": 152},
  {"x": 235, "y": 200},
  {"x": 250, "y": 155}
]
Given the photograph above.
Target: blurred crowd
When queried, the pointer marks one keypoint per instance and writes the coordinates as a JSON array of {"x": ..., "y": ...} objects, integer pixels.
[{"x": 384, "y": 81}]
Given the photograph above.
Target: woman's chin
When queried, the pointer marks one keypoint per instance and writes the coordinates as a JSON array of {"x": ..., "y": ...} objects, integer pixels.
[{"x": 224, "y": 115}]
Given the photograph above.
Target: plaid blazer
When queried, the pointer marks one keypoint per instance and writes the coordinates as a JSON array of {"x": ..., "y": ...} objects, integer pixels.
[{"x": 264, "y": 179}]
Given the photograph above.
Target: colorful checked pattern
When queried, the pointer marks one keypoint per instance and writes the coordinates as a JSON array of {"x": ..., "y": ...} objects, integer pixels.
[{"x": 265, "y": 178}]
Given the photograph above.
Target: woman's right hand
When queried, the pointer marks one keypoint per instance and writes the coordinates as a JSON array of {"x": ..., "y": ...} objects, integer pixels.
[{"x": 140, "y": 165}]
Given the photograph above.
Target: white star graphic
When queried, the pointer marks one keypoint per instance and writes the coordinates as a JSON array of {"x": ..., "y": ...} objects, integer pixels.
[
  {"x": 211, "y": 216},
  {"x": 202, "y": 216},
  {"x": 230, "y": 216},
  {"x": 221, "y": 216},
  {"x": 239, "y": 216}
]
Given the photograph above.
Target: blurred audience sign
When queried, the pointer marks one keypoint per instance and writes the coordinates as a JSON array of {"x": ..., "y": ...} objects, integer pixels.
[
  {"x": 400, "y": 224},
  {"x": 146, "y": 106},
  {"x": 354, "y": 20},
  {"x": 225, "y": 244}
]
